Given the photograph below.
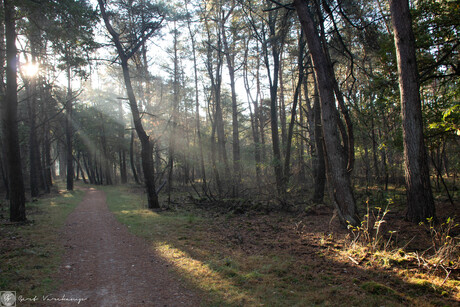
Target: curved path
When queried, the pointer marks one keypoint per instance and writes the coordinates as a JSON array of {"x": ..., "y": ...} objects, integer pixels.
[{"x": 105, "y": 265}]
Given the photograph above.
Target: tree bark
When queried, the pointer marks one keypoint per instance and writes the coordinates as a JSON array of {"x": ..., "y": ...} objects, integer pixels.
[
  {"x": 69, "y": 133},
  {"x": 343, "y": 197},
  {"x": 131, "y": 158},
  {"x": 146, "y": 146},
  {"x": 254, "y": 116},
  {"x": 34, "y": 155},
  {"x": 290, "y": 133},
  {"x": 420, "y": 203},
  {"x": 273, "y": 80},
  {"x": 230, "y": 56},
  {"x": 10, "y": 120},
  {"x": 174, "y": 111},
  {"x": 122, "y": 150},
  {"x": 197, "y": 106},
  {"x": 319, "y": 170}
]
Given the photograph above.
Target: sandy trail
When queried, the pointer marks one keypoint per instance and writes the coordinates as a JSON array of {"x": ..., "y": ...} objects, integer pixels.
[{"x": 105, "y": 265}]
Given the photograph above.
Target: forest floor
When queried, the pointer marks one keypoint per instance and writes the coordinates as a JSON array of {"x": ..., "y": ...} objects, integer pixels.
[
  {"x": 115, "y": 252},
  {"x": 243, "y": 253}
]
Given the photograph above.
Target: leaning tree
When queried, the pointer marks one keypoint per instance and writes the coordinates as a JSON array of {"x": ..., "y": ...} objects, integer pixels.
[{"x": 137, "y": 22}]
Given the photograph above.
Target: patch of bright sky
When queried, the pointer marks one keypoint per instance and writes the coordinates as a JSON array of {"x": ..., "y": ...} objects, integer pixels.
[{"x": 161, "y": 60}]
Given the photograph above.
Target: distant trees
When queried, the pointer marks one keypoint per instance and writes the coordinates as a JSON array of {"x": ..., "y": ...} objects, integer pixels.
[
  {"x": 39, "y": 112},
  {"x": 271, "y": 101}
]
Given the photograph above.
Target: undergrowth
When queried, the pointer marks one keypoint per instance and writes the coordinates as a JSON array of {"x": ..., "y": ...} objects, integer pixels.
[{"x": 368, "y": 244}]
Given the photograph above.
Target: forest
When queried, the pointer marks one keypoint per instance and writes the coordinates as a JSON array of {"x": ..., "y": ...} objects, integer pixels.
[{"x": 344, "y": 110}]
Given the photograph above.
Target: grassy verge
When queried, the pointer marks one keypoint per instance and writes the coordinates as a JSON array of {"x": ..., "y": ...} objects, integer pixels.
[
  {"x": 30, "y": 254},
  {"x": 243, "y": 260}
]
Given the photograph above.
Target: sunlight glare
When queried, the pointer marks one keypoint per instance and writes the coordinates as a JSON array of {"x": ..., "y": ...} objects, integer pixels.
[{"x": 30, "y": 69}]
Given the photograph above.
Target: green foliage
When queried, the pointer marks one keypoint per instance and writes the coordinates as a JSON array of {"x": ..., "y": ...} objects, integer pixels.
[
  {"x": 445, "y": 246},
  {"x": 450, "y": 121},
  {"x": 369, "y": 232}
]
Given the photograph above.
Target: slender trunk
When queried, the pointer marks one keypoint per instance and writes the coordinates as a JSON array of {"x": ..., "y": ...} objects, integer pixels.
[
  {"x": 301, "y": 178},
  {"x": 273, "y": 81},
  {"x": 197, "y": 107},
  {"x": 10, "y": 120},
  {"x": 121, "y": 150},
  {"x": 230, "y": 56},
  {"x": 122, "y": 161},
  {"x": 320, "y": 163},
  {"x": 34, "y": 157},
  {"x": 131, "y": 158},
  {"x": 420, "y": 203},
  {"x": 287, "y": 161},
  {"x": 47, "y": 159},
  {"x": 282, "y": 107},
  {"x": 105, "y": 157},
  {"x": 69, "y": 133},
  {"x": 213, "y": 160},
  {"x": 254, "y": 120},
  {"x": 62, "y": 157},
  {"x": 174, "y": 111},
  {"x": 88, "y": 170},
  {"x": 374, "y": 151}
]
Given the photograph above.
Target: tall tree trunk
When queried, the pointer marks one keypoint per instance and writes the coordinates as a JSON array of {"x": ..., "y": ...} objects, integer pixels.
[
  {"x": 122, "y": 161},
  {"x": 420, "y": 203},
  {"x": 375, "y": 152},
  {"x": 230, "y": 56},
  {"x": 213, "y": 160},
  {"x": 343, "y": 196},
  {"x": 47, "y": 162},
  {"x": 121, "y": 149},
  {"x": 34, "y": 155},
  {"x": 197, "y": 106},
  {"x": 174, "y": 111},
  {"x": 215, "y": 76},
  {"x": 287, "y": 157},
  {"x": 62, "y": 156},
  {"x": 10, "y": 120},
  {"x": 105, "y": 154},
  {"x": 254, "y": 116},
  {"x": 146, "y": 146},
  {"x": 131, "y": 158},
  {"x": 319, "y": 170},
  {"x": 69, "y": 132},
  {"x": 282, "y": 106},
  {"x": 273, "y": 81}
]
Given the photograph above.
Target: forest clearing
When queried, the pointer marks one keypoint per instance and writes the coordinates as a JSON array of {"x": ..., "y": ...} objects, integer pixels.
[{"x": 229, "y": 153}]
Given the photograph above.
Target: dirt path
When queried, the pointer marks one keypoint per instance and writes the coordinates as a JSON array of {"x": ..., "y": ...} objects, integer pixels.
[{"x": 105, "y": 265}]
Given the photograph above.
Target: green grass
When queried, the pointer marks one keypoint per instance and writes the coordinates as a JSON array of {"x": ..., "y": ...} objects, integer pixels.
[{"x": 30, "y": 254}]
